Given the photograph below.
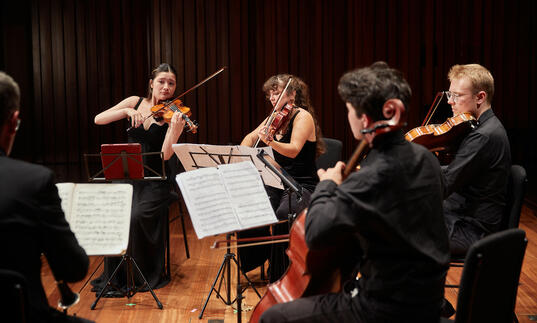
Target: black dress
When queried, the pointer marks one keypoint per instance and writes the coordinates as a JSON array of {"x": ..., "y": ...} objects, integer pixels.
[
  {"x": 303, "y": 170},
  {"x": 150, "y": 203}
]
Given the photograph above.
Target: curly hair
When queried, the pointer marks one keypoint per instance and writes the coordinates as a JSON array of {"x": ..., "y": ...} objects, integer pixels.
[
  {"x": 302, "y": 99},
  {"x": 368, "y": 88}
]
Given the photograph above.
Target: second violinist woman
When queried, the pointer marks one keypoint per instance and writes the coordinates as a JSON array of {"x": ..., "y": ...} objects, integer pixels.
[
  {"x": 296, "y": 145},
  {"x": 150, "y": 198}
]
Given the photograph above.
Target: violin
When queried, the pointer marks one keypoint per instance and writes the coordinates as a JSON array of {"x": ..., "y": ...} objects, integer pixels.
[
  {"x": 281, "y": 116},
  {"x": 313, "y": 272},
  {"x": 165, "y": 111},
  {"x": 442, "y": 137}
]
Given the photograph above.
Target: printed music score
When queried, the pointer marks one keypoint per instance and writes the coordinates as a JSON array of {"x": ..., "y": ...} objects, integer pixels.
[
  {"x": 196, "y": 156},
  {"x": 230, "y": 197},
  {"x": 99, "y": 215}
]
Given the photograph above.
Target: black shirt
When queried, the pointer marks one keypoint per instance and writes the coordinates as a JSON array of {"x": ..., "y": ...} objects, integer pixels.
[
  {"x": 475, "y": 182},
  {"x": 393, "y": 207}
]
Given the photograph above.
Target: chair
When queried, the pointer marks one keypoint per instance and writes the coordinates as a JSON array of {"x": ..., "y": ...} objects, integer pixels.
[
  {"x": 492, "y": 264},
  {"x": 14, "y": 299},
  {"x": 516, "y": 189},
  {"x": 332, "y": 154}
]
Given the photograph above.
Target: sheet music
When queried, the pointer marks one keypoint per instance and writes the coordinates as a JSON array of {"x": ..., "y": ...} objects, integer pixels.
[
  {"x": 224, "y": 199},
  {"x": 247, "y": 194},
  {"x": 100, "y": 216},
  {"x": 207, "y": 201},
  {"x": 196, "y": 156},
  {"x": 269, "y": 178},
  {"x": 65, "y": 191}
]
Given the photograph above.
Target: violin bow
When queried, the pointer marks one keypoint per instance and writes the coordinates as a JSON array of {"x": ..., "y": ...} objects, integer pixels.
[
  {"x": 271, "y": 118},
  {"x": 186, "y": 92},
  {"x": 436, "y": 103},
  {"x": 255, "y": 241}
]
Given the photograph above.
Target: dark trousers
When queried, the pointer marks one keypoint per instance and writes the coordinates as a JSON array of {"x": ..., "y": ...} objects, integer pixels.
[
  {"x": 321, "y": 308},
  {"x": 461, "y": 235}
]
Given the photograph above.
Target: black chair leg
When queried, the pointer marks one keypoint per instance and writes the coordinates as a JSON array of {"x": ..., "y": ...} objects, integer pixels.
[{"x": 184, "y": 234}]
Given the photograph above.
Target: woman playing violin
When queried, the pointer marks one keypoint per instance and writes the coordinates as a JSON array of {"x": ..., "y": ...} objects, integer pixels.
[
  {"x": 150, "y": 198},
  {"x": 296, "y": 144},
  {"x": 400, "y": 250}
]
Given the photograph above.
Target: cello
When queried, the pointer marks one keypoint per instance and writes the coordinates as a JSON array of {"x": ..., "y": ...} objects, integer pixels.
[{"x": 311, "y": 272}]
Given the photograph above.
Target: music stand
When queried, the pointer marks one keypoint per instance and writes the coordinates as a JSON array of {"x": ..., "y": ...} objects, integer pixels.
[
  {"x": 123, "y": 162},
  {"x": 219, "y": 158},
  {"x": 131, "y": 167},
  {"x": 289, "y": 183}
]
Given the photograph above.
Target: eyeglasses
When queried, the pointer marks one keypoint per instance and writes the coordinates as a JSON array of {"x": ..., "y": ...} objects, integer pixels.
[{"x": 454, "y": 96}]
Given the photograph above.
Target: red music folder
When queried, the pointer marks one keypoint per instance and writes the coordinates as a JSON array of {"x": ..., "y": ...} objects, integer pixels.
[{"x": 122, "y": 161}]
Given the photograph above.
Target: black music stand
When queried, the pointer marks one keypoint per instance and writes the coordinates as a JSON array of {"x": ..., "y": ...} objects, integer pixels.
[
  {"x": 225, "y": 266},
  {"x": 289, "y": 183},
  {"x": 124, "y": 162}
]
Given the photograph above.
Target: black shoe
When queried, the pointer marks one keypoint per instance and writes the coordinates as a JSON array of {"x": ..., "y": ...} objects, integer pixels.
[{"x": 447, "y": 310}]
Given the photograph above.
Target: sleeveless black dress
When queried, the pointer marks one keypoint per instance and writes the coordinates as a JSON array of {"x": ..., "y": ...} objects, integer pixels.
[
  {"x": 303, "y": 170},
  {"x": 150, "y": 203}
]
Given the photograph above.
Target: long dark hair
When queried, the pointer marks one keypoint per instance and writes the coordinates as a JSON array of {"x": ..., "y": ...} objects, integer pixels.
[
  {"x": 164, "y": 67},
  {"x": 302, "y": 99}
]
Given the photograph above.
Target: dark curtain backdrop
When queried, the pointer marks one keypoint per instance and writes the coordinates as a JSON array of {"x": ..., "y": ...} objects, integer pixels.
[{"x": 74, "y": 59}]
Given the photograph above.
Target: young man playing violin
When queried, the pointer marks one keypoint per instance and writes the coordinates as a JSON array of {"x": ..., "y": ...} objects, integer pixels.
[
  {"x": 475, "y": 181},
  {"x": 391, "y": 209}
]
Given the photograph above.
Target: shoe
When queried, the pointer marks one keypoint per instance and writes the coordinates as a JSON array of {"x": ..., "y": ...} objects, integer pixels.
[{"x": 447, "y": 310}]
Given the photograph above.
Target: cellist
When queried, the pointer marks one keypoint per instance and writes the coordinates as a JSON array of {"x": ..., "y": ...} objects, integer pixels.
[{"x": 392, "y": 208}]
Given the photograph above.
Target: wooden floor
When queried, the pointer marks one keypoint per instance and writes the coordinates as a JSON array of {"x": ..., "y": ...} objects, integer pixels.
[{"x": 183, "y": 298}]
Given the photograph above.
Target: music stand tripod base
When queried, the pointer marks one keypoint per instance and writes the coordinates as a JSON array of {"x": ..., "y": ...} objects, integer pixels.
[
  {"x": 131, "y": 286},
  {"x": 226, "y": 267}
]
